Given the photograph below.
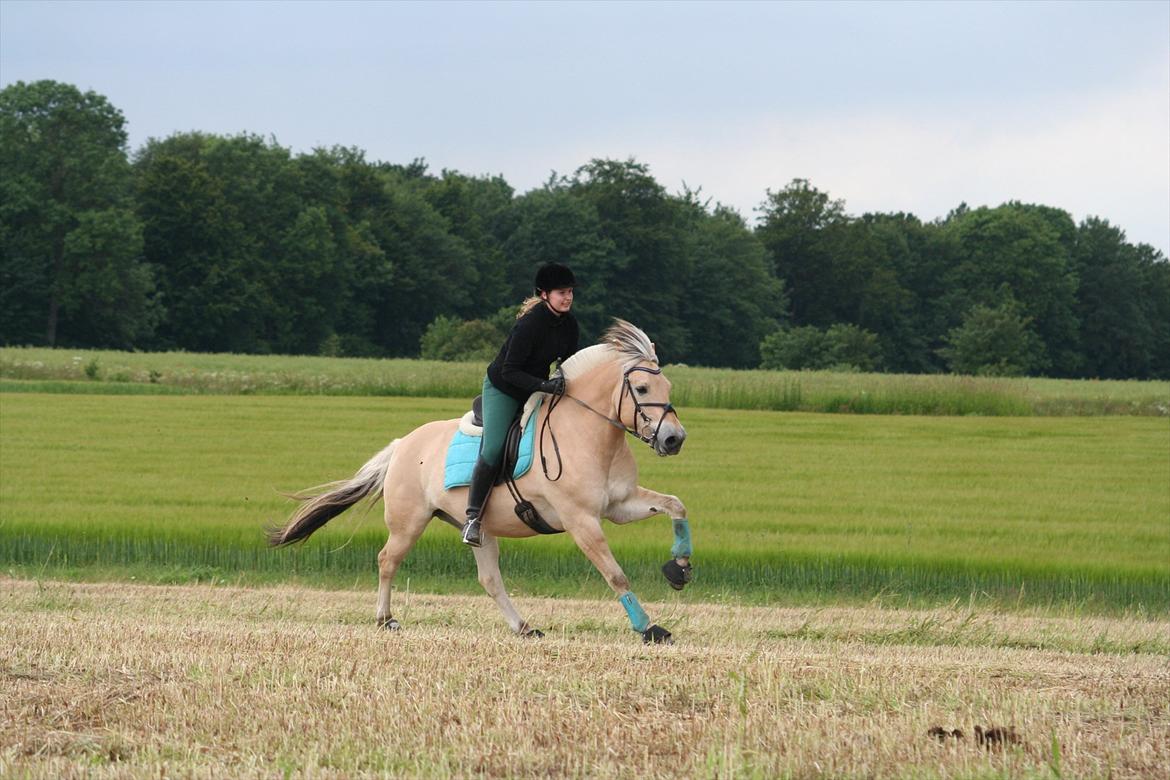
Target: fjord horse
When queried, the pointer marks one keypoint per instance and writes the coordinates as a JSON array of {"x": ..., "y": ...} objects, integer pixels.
[{"x": 612, "y": 388}]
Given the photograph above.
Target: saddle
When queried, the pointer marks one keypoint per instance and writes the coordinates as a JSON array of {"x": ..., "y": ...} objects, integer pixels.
[
  {"x": 517, "y": 459},
  {"x": 517, "y": 446}
]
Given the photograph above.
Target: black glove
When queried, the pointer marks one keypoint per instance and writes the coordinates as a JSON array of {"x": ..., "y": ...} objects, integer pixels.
[{"x": 556, "y": 385}]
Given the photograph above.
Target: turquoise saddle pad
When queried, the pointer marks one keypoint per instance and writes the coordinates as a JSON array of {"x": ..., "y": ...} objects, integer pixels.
[{"x": 464, "y": 450}]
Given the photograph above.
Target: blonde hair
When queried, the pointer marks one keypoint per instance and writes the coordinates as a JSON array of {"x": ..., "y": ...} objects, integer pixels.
[{"x": 528, "y": 305}]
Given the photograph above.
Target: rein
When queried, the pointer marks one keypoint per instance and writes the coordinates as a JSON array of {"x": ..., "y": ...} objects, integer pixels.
[{"x": 667, "y": 408}]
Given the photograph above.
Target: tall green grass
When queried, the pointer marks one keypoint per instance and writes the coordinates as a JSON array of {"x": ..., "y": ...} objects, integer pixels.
[
  {"x": 1035, "y": 511},
  {"x": 155, "y": 372},
  {"x": 132, "y": 373}
]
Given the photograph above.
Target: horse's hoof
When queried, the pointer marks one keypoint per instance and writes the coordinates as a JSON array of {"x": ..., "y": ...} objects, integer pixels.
[
  {"x": 531, "y": 633},
  {"x": 390, "y": 624},
  {"x": 657, "y": 635},
  {"x": 677, "y": 576}
]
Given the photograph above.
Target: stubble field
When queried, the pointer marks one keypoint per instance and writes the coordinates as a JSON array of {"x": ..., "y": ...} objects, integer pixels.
[{"x": 103, "y": 681}]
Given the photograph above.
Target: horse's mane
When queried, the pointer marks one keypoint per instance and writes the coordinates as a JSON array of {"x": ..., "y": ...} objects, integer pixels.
[{"x": 628, "y": 341}]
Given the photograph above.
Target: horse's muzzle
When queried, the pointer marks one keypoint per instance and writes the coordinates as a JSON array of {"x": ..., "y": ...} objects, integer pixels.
[{"x": 670, "y": 440}]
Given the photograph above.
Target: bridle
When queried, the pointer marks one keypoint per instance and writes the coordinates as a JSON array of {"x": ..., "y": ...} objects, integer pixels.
[
  {"x": 639, "y": 407},
  {"x": 667, "y": 407}
]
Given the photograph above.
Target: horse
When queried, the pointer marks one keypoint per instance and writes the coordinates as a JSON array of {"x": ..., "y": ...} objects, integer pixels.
[{"x": 612, "y": 389}]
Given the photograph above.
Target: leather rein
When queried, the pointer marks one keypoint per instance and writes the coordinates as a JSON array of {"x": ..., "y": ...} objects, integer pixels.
[{"x": 627, "y": 388}]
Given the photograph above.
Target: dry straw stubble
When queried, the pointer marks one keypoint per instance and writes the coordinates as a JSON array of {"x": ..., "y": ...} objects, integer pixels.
[{"x": 136, "y": 681}]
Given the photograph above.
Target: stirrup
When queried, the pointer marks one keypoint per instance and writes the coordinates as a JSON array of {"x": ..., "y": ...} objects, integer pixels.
[{"x": 471, "y": 533}]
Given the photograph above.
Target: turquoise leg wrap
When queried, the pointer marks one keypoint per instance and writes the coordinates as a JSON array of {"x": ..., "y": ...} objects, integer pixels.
[
  {"x": 638, "y": 617},
  {"x": 682, "y": 539}
]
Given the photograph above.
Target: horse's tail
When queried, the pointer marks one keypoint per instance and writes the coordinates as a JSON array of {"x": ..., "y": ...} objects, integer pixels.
[{"x": 323, "y": 503}]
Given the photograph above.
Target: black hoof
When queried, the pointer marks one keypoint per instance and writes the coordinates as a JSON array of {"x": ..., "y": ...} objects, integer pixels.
[
  {"x": 677, "y": 576},
  {"x": 531, "y": 633},
  {"x": 390, "y": 624},
  {"x": 657, "y": 635}
]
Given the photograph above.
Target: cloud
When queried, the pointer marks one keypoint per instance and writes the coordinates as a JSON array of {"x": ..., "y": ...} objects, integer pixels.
[{"x": 1105, "y": 155}]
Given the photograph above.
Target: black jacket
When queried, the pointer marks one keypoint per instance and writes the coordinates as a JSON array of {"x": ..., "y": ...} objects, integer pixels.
[{"x": 537, "y": 339}]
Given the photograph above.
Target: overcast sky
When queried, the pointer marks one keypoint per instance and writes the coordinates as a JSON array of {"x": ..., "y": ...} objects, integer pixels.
[{"x": 887, "y": 106}]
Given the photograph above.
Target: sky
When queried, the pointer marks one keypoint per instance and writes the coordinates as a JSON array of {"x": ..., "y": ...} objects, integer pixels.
[{"x": 906, "y": 106}]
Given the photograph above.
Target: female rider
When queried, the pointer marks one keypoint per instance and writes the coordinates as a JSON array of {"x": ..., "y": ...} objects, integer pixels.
[{"x": 545, "y": 331}]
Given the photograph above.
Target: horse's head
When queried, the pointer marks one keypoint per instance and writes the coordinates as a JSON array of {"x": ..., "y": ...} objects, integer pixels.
[
  {"x": 639, "y": 400},
  {"x": 643, "y": 406}
]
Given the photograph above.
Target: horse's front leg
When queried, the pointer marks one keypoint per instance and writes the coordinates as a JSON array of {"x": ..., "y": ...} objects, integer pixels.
[
  {"x": 643, "y": 503},
  {"x": 586, "y": 532}
]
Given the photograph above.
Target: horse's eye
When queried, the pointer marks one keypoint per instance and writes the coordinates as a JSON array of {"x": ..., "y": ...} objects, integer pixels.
[{"x": 642, "y": 389}]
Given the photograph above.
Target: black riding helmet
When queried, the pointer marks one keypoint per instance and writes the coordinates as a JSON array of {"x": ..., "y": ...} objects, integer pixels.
[{"x": 554, "y": 276}]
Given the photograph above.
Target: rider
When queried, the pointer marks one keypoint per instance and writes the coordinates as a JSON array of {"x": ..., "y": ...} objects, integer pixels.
[{"x": 545, "y": 331}]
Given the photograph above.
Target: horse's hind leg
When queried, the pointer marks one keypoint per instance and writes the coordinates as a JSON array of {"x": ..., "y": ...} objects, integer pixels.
[
  {"x": 487, "y": 560},
  {"x": 406, "y": 526}
]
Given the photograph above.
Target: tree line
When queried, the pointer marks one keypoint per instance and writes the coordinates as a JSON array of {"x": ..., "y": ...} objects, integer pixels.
[{"x": 206, "y": 243}]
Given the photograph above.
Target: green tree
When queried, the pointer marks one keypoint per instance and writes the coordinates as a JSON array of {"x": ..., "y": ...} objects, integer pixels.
[
  {"x": 403, "y": 247},
  {"x": 1019, "y": 253},
  {"x": 1156, "y": 272},
  {"x": 896, "y": 299},
  {"x": 852, "y": 348},
  {"x": 1122, "y": 303},
  {"x": 446, "y": 338},
  {"x": 796, "y": 348},
  {"x": 352, "y": 194},
  {"x": 110, "y": 300},
  {"x": 731, "y": 299},
  {"x": 840, "y": 347},
  {"x": 309, "y": 289},
  {"x": 197, "y": 235},
  {"x": 798, "y": 227},
  {"x": 478, "y": 211},
  {"x": 254, "y": 249},
  {"x": 431, "y": 272},
  {"x": 993, "y": 342},
  {"x": 644, "y": 277},
  {"x": 71, "y": 267}
]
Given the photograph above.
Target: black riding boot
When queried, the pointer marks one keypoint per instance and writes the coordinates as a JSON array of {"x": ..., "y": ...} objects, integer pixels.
[{"x": 482, "y": 477}]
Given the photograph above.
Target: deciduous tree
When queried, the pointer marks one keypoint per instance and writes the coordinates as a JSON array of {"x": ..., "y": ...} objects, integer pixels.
[{"x": 71, "y": 268}]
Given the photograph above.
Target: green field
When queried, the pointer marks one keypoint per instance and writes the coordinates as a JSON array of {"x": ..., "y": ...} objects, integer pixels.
[
  {"x": 137, "y": 373},
  {"x": 1067, "y": 513}
]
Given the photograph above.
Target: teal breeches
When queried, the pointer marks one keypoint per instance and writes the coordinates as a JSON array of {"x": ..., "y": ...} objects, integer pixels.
[{"x": 499, "y": 409}]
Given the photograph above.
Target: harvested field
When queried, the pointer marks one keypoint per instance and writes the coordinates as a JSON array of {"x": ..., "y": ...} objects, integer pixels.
[{"x": 115, "y": 680}]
